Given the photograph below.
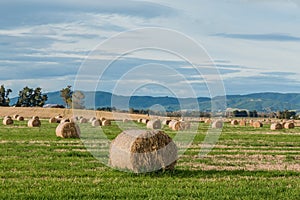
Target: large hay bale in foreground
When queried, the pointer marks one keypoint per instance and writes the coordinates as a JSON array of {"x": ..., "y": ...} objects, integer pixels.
[
  {"x": 257, "y": 124},
  {"x": 217, "y": 124},
  {"x": 8, "y": 121},
  {"x": 276, "y": 126},
  {"x": 96, "y": 122},
  {"x": 289, "y": 125},
  {"x": 20, "y": 118},
  {"x": 34, "y": 123},
  {"x": 143, "y": 151},
  {"x": 68, "y": 130},
  {"x": 154, "y": 124}
]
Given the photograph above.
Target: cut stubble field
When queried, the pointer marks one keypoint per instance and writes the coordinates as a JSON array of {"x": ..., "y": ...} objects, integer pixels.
[{"x": 246, "y": 163}]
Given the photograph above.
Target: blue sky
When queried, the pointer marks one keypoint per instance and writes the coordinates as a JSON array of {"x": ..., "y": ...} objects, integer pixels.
[{"x": 254, "y": 44}]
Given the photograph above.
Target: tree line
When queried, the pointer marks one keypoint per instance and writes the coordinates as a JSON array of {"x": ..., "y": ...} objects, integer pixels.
[{"x": 34, "y": 97}]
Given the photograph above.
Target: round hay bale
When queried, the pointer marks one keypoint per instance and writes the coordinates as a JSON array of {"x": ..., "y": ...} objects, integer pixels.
[
  {"x": 234, "y": 122},
  {"x": 143, "y": 151},
  {"x": 139, "y": 120},
  {"x": 15, "y": 116},
  {"x": 65, "y": 120},
  {"x": 243, "y": 123},
  {"x": 154, "y": 124},
  {"x": 96, "y": 122},
  {"x": 217, "y": 124},
  {"x": 58, "y": 117},
  {"x": 68, "y": 130},
  {"x": 8, "y": 121},
  {"x": 257, "y": 124},
  {"x": 289, "y": 125},
  {"x": 276, "y": 126},
  {"x": 34, "y": 123},
  {"x": 145, "y": 121},
  {"x": 92, "y": 119},
  {"x": 7, "y": 117},
  {"x": 52, "y": 120},
  {"x": 166, "y": 122},
  {"x": 74, "y": 119},
  {"x": 208, "y": 121},
  {"x": 176, "y": 126},
  {"x": 251, "y": 122},
  {"x": 83, "y": 120},
  {"x": 126, "y": 120},
  {"x": 106, "y": 123},
  {"x": 20, "y": 118},
  {"x": 171, "y": 123},
  {"x": 102, "y": 118},
  {"x": 35, "y": 117}
]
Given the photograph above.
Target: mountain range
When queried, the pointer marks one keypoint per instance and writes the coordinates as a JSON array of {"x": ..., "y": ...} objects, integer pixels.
[{"x": 258, "y": 101}]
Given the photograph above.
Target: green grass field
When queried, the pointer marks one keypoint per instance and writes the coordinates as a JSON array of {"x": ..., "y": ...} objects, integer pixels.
[{"x": 246, "y": 163}]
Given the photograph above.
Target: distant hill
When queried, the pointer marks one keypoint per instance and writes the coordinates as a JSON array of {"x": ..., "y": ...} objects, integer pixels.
[{"x": 258, "y": 101}]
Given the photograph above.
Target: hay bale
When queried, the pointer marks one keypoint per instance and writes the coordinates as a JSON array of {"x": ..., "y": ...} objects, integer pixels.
[
  {"x": 106, "y": 123},
  {"x": 8, "y": 121},
  {"x": 142, "y": 151},
  {"x": 126, "y": 121},
  {"x": 83, "y": 120},
  {"x": 68, "y": 130},
  {"x": 208, "y": 121},
  {"x": 102, "y": 118},
  {"x": 154, "y": 124},
  {"x": 185, "y": 125},
  {"x": 58, "y": 117},
  {"x": 34, "y": 123},
  {"x": 139, "y": 120},
  {"x": 234, "y": 122},
  {"x": 289, "y": 125},
  {"x": 257, "y": 124},
  {"x": 74, "y": 119},
  {"x": 171, "y": 123},
  {"x": 176, "y": 126},
  {"x": 243, "y": 123},
  {"x": 52, "y": 120},
  {"x": 96, "y": 122},
  {"x": 145, "y": 121},
  {"x": 218, "y": 124},
  {"x": 166, "y": 122},
  {"x": 251, "y": 122},
  {"x": 15, "y": 116},
  {"x": 20, "y": 118},
  {"x": 276, "y": 126},
  {"x": 92, "y": 119},
  {"x": 65, "y": 120},
  {"x": 35, "y": 117},
  {"x": 7, "y": 117}
]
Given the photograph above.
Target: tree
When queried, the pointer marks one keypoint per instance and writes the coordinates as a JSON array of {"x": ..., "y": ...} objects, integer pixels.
[
  {"x": 78, "y": 100},
  {"x": 29, "y": 97},
  {"x": 66, "y": 94},
  {"x": 4, "y": 93}
]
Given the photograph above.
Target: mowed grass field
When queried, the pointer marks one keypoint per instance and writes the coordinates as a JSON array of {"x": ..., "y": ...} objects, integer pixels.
[{"x": 246, "y": 163}]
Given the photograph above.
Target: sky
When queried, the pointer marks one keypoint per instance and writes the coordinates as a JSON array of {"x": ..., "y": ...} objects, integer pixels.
[{"x": 244, "y": 46}]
